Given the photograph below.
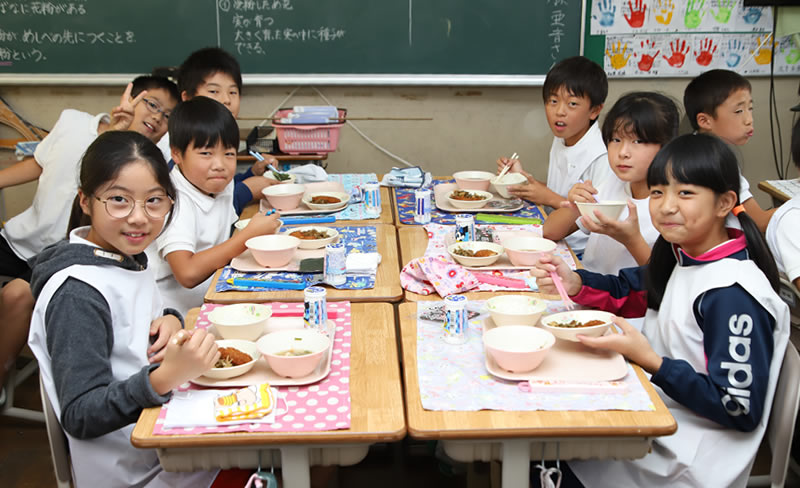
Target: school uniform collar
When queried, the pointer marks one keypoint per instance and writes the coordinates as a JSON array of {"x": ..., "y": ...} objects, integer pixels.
[
  {"x": 735, "y": 248},
  {"x": 581, "y": 154},
  {"x": 203, "y": 201}
]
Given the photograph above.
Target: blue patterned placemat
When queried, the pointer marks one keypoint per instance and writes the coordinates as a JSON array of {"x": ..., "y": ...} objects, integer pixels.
[
  {"x": 404, "y": 198},
  {"x": 354, "y": 211},
  {"x": 355, "y": 239}
]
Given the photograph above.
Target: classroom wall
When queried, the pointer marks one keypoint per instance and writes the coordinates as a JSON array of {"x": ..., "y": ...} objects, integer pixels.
[{"x": 470, "y": 126}]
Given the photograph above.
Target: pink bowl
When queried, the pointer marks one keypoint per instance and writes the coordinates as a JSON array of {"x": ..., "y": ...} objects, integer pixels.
[
  {"x": 525, "y": 251},
  {"x": 518, "y": 348},
  {"x": 299, "y": 340},
  {"x": 473, "y": 180},
  {"x": 273, "y": 250},
  {"x": 284, "y": 196}
]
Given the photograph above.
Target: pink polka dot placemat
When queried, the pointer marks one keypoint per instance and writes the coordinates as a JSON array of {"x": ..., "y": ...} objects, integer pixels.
[{"x": 324, "y": 405}]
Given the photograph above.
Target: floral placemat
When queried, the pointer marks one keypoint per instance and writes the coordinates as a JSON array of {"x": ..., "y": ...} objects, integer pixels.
[
  {"x": 354, "y": 211},
  {"x": 355, "y": 239},
  {"x": 322, "y": 406},
  {"x": 454, "y": 377},
  {"x": 404, "y": 198}
]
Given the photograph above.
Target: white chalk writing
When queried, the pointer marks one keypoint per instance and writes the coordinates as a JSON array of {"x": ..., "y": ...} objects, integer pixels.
[{"x": 42, "y": 8}]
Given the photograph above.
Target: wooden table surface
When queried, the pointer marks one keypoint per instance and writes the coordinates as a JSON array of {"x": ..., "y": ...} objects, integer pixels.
[
  {"x": 376, "y": 403},
  {"x": 386, "y": 216},
  {"x": 778, "y": 197},
  {"x": 429, "y": 424},
  {"x": 387, "y": 282}
]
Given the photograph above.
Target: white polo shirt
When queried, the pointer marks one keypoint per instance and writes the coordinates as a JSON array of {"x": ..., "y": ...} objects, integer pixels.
[
  {"x": 782, "y": 238},
  {"x": 200, "y": 222}
]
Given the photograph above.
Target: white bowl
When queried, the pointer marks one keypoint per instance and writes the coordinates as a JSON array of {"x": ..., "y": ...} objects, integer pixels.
[
  {"x": 284, "y": 197},
  {"x": 515, "y": 309},
  {"x": 333, "y": 234},
  {"x": 292, "y": 178},
  {"x": 343, "y": 197},
  {"x": 272, "y": 250},
  {"x": 248, "y": 347},
  {"x": 473, "y": 180},
  {"x": 243, "y": 321},
  {"x": 298, "y": 339},
  {"x": 611, "y": 209},
  {"x": 518, "y": 348},
  {"x": 525, "y": 251},
  {"x": 583, "y": 316},
  {"x": 469, "y": 204},
  {"x": 241, "y": 223},
  {"x": 475, "y": 246},
  {"x": 509, "y": 179}
]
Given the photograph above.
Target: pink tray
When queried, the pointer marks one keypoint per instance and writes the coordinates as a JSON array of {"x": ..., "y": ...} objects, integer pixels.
[
  {"x": 336, "y": 186},
  {"x": 496, "y": 204}
]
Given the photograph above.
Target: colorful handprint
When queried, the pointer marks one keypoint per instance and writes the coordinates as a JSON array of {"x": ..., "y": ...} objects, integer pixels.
[
  {"x": 646, "y": 61},
  {"x": 794, "y": 54},
  {"x": 723, "y": 15},
  {"x": 607, "y": 12},
  {"x": 636, "y": 18},
  {"x": 664, "y": 9},
  {"x": 763, "y": 55},
  {"x": 735, "y": 52},
  {"x": 752, "y": 15},
  {"x": 617, "y": 56},
  {"x": 694, "y": 13},
  {"x": 678, "y": 56},
  {"x": 707, "y": 50}
]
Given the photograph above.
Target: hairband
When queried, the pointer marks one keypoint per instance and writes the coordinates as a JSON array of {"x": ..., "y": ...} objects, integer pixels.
[{"x": 737, "y": 210}]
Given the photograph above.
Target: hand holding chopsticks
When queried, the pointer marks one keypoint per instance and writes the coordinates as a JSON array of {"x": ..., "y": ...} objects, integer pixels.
[{"x": 506, "y": 164}]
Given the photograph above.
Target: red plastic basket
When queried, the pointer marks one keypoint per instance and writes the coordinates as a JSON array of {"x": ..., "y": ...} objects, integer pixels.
[{"x": 307, "y": 139}]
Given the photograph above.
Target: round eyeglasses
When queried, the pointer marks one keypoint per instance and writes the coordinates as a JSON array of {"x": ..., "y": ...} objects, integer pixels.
[
  {"x": 120, "y": 207},
  {"x": 155, "y": 108}
]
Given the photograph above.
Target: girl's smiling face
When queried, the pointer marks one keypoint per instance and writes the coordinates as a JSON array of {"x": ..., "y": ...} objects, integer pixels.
[
  {"x": 132, "y": 234},
  {"x": 691, "y": 216}
]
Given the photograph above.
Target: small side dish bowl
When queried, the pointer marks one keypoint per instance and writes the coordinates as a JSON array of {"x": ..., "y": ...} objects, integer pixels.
[
  {"x": 611, "y": 209},
  {"x": 343, "y": 198},
  {"x": 525, "y": 251},
  {"x": 273, "y": 250},
  {"x": 307, "y": 239},
  {"x": 518, "y": 348},
  {"x": 557, "y": 323},
  {"x": 483, "y": 198},
  {"x": 493, "y": 251},
  {"x": 243, "y": 321},
  {"x": 293, "y": 353},
  {"x": 509, "y": 179},
  {"x": 247, "y": 347},
  {"x": 508, "y": 310},
  {"x": 473, "y": 180},
  {"x": 284, "y": 197},
  {"x": 288, "y": 181}
]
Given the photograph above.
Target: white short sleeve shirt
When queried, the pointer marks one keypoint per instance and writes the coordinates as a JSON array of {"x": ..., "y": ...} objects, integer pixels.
[{"x": 783, "y": 238}]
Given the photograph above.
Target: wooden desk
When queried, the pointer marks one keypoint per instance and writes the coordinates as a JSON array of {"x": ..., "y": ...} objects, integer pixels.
[
  {"x": 387, "y": 282},
  {"x": 778, "y": 197},
  {"x": 386, "y": 216},
  {"x": 376, "y": 415},
  {"x": 516, "y": 437}
]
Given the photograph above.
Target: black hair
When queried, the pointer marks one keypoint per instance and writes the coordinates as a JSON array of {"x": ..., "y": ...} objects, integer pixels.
[
  {"x": 143, "y": 83},
  {"x": 650, "y": 116},
  {"x": 796, "y": 143},
  {"x": 204, "y": 63},
  {"x": 203, "y": 122},
  {"x": 702, "y": 160},
  {"x": 580, "y": 76},
  {"x": 105, "y": 158},
  {"x": 709, "y": 90}
]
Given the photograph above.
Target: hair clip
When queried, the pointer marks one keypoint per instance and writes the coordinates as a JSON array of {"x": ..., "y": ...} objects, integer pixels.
[{"x": 737, "y": 210}]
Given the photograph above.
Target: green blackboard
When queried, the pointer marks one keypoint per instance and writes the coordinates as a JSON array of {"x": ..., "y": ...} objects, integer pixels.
[{"x": 462, "y": 37}]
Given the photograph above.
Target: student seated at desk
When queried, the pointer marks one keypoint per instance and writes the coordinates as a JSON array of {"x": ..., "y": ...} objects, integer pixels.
[
  {"x": 715, "y": 329},
  {"x": 212, "y": 72},
  {"x": 144, "y": 107},
  {"x": 782, "y": 234},
  {"x": 204, "y": 137},
  {"x": 574, "y": 92}
]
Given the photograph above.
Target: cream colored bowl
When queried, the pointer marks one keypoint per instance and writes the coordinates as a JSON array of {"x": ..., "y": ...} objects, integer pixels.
[
  {"x": 469, "y": 204},
  {"x": 243, "y": 321},
  {"x": 515, "y": 309},
  {"x": 551, "y": 322},
  {"x": 475, "y": 246},
  {"x": 611, "y": 209},
  {"x": 247, "y": 347}
]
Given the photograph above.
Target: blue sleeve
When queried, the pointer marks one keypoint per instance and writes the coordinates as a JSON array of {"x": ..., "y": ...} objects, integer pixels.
[
  {"x": 243, "y": 176},
  {"x": 623, "y": 295},
  {"x": 242, "y": 196},
  {"x": 737, "y": 339}
]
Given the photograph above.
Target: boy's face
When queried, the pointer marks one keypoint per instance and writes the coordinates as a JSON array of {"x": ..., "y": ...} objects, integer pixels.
[
  {"x": 150, "y": 116},
  {"x": 210, "y": 169},
  {"x": 569, "y": 116},
  {"x": 733, "y": 120},
  {"x": 222, "y": 88}
]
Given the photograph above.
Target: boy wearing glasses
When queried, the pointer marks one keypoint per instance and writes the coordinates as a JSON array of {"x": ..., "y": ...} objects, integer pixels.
[
  {"x": 204, "y": 136},
  {"x": 144, "y": 107}
]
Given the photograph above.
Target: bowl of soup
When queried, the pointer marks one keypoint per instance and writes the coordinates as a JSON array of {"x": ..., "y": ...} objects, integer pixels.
[
  {"x": 526, "y": 250},
  {"x": 473, "y": 180},
  {"x": 294, "y": 353},
  {"x": 568, "y": 325},
  {"x": 518, "y": 348}
]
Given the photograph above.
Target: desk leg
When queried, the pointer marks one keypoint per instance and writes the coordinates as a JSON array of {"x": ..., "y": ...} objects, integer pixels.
[
  {"x": 516, "y": 463},
  {"x": 295, "y": 468}
]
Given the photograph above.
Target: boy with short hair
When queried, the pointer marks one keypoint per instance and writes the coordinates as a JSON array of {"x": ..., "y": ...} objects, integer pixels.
[
  {"x": 203, "y": 137},
  {"x": 212, "y": 72},
  {"x": 574, "y": 92},
  {"x": 720, "y": 102}
]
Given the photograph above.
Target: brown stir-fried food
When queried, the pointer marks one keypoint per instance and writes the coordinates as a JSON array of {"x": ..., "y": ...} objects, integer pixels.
[
  {"x": 324, "y": 199},
  {"x": 309, "y": 234},
  {"x": 230, "y": 356},
  {"x": 465, "y": 195},
  {"x": 482, "y": 253},
  {"x": 574, "y": 324}
]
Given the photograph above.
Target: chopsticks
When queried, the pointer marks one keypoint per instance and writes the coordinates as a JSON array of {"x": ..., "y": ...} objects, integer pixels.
[
  {"x": 506, "y": 167},
  {"x": 568, "y": 303}
]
